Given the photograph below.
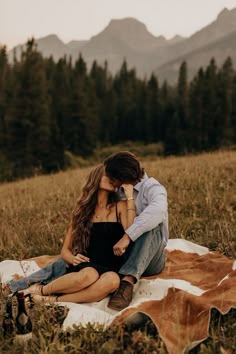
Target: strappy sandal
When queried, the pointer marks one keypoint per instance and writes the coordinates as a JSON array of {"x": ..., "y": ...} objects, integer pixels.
[
  {"x": 40, "y": 299},
  {"x": 35, "y": 289},
  {"x": 29, "y": 300}
]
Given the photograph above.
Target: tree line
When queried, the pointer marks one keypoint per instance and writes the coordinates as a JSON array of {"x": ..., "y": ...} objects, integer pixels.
[{"x": 48, "y": 107}]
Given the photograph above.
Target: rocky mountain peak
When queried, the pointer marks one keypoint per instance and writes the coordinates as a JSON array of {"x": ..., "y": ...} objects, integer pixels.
[
  {"x": 51, "y": 38},
  {"x": 133, "y": 33},
  {"x": 177, "y": 38},
  {"x": 223, "y": 14},
  {"x": 126, "y": 24},
  {"x": 227, "y": 16},
  {"x": 129, "y": 38}
]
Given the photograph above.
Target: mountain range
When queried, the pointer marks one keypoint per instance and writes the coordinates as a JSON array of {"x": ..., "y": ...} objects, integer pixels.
[{"x": 130, "y": 39}]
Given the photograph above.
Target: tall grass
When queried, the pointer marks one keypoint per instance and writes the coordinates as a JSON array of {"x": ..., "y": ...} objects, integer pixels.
[{"x": 35, "y": 214}]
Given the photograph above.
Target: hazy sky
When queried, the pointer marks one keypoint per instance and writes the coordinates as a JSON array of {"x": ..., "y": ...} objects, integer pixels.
[{"x": 81, "y": 19}]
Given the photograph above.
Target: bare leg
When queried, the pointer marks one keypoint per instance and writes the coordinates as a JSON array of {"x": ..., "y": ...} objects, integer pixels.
[
  {"x": 68, "y": 283},
  {"x": 106, "y": 284}
]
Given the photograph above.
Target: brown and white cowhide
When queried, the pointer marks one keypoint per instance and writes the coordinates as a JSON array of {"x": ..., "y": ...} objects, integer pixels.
[{"x": 179, "y": 300}]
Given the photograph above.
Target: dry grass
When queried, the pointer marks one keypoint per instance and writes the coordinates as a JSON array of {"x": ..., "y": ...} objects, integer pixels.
[{"x": 34, "y": 216}]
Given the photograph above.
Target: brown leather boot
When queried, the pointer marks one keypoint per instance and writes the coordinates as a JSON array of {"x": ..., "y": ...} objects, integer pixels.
[{"x": 122, "y": 297}]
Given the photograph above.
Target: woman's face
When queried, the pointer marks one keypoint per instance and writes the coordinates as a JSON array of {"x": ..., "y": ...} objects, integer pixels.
[{"x": 106, "y": 184}]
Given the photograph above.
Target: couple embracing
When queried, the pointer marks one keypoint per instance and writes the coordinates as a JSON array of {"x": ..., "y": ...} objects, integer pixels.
[{"x": 118, "y": 232}]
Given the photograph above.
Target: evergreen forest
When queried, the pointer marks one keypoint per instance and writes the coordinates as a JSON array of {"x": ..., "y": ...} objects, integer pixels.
[{"x": 48, "y": 108}]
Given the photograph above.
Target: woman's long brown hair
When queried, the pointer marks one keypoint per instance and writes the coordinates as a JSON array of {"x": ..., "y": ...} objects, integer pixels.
[{"x": 85, "y": 209}]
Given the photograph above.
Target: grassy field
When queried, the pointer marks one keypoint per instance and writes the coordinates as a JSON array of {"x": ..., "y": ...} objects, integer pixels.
[{"x": 35, "y": 213}]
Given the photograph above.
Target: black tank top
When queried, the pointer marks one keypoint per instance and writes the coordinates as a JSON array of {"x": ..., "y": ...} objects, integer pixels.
[{"x": 104, "y": 235}]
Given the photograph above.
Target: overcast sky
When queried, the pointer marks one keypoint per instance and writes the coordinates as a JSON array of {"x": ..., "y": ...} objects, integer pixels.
[{"x": 81, "y": 19}]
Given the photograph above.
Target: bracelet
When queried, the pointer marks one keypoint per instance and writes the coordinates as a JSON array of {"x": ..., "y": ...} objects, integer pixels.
[
  {"x": 131, "y": 198},
  {"x": 131, "y": 209}
]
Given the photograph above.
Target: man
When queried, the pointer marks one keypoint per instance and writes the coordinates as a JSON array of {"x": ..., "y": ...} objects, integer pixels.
[{"x": 144, "y": 241}]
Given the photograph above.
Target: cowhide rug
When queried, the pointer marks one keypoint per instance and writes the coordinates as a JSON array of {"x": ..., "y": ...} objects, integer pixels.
[{"x": 178, "y": 301}]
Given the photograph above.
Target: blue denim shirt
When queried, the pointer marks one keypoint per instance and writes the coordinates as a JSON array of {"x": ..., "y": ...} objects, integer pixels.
[{"x": 152, "y": 208}]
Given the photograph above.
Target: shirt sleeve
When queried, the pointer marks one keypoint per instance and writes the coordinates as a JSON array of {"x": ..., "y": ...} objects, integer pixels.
[{"x": 153, "y": 215}]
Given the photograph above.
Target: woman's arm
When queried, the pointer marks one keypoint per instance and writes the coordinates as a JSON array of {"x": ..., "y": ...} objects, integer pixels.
[{"x": 66, "y": 253}]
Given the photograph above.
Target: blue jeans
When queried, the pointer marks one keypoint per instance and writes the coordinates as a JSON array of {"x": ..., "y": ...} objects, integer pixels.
[
  {"x": 146, "y": 255},
  {"x": 45, "y": 275}
]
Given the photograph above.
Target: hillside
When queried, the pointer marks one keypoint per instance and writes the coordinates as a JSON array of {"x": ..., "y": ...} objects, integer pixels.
[
  {"x": 221, "y": 49},
  {"x": 224, "y": 25},
  {"x": 35, "y": 215},
  {"x": 41, "y": 206}
]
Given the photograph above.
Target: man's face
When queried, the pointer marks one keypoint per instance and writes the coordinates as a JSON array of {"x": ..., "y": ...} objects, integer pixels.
[{"x": 116, "y": 182}]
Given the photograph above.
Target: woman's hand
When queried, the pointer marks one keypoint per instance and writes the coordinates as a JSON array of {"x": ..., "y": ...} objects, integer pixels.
[
  {"x": 128, "y": 190},
  {"x": 79, "y": 258}
]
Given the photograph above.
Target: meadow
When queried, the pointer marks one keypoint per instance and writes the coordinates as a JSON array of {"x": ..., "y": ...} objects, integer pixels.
[{"x": 35, "y": 214}]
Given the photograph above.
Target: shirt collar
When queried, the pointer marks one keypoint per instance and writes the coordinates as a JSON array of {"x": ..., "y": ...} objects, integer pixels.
[{"x": 139, "y": 184}]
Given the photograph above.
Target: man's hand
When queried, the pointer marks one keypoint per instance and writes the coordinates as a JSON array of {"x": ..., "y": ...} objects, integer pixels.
[
  {"x": 128, "y": 190},
  {"x": 120, "y": 247}
]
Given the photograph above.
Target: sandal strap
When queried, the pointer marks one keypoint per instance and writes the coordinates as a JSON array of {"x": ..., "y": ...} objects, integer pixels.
[{"x": 41, "y": 290}]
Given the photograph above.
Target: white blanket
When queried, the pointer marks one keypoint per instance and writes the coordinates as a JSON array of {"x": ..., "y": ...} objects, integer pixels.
[{"x": 191, "y": 273}]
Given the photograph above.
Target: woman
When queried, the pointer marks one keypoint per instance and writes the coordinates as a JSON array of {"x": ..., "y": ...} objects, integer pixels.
[{"x": 98, "y": 222}]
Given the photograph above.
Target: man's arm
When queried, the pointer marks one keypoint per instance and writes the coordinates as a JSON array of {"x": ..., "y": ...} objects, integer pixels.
[{"x": 153, "y": 215}]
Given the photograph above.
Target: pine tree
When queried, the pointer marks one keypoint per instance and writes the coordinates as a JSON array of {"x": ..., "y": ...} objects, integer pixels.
[
  {"x": 28, "y": 119},
  {"x": 182, "y": 108},
  {"x": 196, "y": 112},
  {"x": 164, "y": 101},
  {"x": 176, "y": 137},
  {"x": 212, "y": 119},
  {"x": 81, "y": 133},
  {"x": 58, "y": 76},
  {"x": 109, "y": 121},
  {"x": 233, "y": 116},
  {"x": 4, "y": 68},
  {"x": 101, "y": 84},
  {"x": 138, "y": 125},
  {"x": 226, "y": 79},
  {"x": 5, "y": 73},
  {"x": 126, "y": 86},
  {"x": 153, "y": 113}
]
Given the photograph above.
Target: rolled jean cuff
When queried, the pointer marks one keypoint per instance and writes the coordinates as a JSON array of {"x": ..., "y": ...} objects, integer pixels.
[
  {"x": 134, "y": 275},
  {"x": 44, "y": 276},
  {"x": 17, "y": 285}
]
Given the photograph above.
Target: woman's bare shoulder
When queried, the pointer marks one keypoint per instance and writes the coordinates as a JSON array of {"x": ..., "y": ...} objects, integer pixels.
[{"x": 122, "y": 204}]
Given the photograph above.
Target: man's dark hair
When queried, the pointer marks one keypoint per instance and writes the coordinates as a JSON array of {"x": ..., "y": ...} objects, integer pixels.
[{"x": 123, "y": 166}]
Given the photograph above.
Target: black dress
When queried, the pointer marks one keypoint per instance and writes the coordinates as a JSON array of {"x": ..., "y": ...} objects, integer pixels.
[{"x": 104, "y": 235}]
